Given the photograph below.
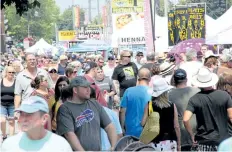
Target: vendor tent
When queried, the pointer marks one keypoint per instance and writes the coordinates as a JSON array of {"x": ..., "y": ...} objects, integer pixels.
[{"x": 42, "y": 47}]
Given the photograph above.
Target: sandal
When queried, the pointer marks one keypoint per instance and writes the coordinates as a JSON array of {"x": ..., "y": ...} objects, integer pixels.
[{"x": 4, "y": 138}]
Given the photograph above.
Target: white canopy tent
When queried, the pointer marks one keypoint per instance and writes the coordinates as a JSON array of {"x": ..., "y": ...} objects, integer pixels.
[
  {"x": 223, "y": 37},
  {"x": 42, "y": 47},
  {"x": 222, "y": 30}
]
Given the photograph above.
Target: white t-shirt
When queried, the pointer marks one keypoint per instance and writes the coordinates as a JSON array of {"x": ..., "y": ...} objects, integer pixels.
[
  {"x": 191, "y": 68},
  {"x": 108, "y": 71},
  {"x": 21, "y": 143}
]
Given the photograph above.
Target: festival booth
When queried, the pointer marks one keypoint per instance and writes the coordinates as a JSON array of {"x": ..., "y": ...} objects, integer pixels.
[{"x": 42, "y": 48}]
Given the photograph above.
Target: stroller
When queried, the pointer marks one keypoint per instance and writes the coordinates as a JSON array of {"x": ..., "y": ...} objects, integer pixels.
[{"x": 131, "y": 143}]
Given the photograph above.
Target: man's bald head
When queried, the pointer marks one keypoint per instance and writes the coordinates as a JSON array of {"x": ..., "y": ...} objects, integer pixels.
[{"x": 144, "y": 74}]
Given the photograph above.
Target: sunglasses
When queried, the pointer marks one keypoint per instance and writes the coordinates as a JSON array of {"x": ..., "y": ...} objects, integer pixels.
[
  {"x": 53, "y": 71},
  {"x": 127, "y": 56},
  {"x": 110, "y": 59},
  {"x": 140, "y": 55},
  {"x": 11, "y": 72}
]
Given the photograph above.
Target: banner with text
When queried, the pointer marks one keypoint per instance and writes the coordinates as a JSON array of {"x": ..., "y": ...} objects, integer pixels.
[
  {"x": 186, "y": 23},
  {"x": 76, "y": 16},
  {"x": 67, "y": 35}
]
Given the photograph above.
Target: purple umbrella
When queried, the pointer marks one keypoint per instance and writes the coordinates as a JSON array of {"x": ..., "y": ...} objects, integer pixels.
[
  {"x": 191, "y": 43},
  {"x": 184, "y": 45}
]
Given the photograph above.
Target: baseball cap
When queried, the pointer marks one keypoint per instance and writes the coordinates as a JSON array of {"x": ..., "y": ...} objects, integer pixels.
[
  {"x": 180, "y": 74},
  {"x": 79, "y": 81},
  {"x": 33, "y": 104},
  {"x": 89, "y": 65},
  {"x": 139, "y": 53}
]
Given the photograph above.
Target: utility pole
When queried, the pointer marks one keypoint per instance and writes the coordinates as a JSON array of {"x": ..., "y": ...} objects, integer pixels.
[
  {"x": 90, "y": 16},
  {"x": 3, "y": 41},
  {"x": 98, "y": 11},
  {"x": 73, "y": 15}
]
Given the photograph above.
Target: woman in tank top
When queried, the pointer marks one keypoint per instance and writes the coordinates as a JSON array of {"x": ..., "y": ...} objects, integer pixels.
[
  {"x": 40, "y": 84},
  {"x": 7, "y": 101},
  {"x": 168, "y": 138}
]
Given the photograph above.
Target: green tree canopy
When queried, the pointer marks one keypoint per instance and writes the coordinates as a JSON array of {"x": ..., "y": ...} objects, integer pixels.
[
  {"x": 21, "y": 6},
  {"x": 41, "y": 21}
]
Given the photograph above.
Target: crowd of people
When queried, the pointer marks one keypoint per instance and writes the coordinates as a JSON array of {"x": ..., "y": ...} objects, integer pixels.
[{"x": 84, "y": 103}]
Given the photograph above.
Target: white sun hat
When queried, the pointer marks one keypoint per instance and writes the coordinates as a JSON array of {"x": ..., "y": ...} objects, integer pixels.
[
  {"x": 205, "y": 78},
  {"x": 160, "y": 86},
  {"x": 210, "y": 53}
]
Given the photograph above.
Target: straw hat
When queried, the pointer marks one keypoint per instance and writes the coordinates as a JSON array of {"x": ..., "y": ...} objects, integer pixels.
[
  {"x": 205, "y": 78},
  {"x": 166, "y": 67},
  {"x": 63, "y": 57}
]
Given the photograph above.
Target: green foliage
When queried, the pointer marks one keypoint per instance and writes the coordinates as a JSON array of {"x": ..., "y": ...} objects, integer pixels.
[
  {"x": 65, "y": 21},
  {"x": 97, "y": 20},
  {"x": 41, "y": 21},
  {"x": 21, "y": 6}
]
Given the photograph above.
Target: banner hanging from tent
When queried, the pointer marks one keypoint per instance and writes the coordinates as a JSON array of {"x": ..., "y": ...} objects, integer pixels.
[{"x": 186, "y": 23}]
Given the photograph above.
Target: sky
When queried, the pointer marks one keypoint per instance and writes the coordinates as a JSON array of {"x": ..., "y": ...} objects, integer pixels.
[{"x": 63, "y": 4}]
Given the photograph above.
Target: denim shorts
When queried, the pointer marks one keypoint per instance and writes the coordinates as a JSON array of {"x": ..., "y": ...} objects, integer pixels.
[{"x": 7, "y": 111}]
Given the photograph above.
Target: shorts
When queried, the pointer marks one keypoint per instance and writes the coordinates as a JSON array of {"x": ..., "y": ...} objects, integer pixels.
[{"x": 7, "y": 111}]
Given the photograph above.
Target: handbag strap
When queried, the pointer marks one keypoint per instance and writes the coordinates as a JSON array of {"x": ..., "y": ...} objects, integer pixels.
[{"x": 150, "y": 108}]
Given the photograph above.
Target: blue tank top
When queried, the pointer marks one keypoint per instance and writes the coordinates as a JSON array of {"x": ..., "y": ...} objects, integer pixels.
[{"x": 61, "y": 70}]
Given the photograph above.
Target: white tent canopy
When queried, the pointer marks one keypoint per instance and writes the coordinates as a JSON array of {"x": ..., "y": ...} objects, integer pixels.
[
  {"x": 222, "y": 30},
  {"x": 42, "y": 47},
  {"x": 223, "y": 37}
]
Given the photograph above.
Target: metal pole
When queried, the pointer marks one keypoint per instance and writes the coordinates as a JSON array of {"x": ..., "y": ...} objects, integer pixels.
[
  {"x": 90, "y": 11},
  {"x": 3, "y": 40},
  {"x": 153, "y": 21},
  {"x": 73, "y": 15},
  {"x": 98, "y": 11}
]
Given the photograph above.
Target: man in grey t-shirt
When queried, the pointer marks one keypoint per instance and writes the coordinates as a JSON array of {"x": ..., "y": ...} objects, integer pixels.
[
  {"x": 81, "y": 119},
  {"x": 180, "y": 96}
]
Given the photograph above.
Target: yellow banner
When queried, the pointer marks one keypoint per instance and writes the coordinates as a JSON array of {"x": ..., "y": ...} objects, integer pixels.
[
  {"x": 126, "y": 6},
  {"x": 125, "y": 3},
  {"x": 67, "y": 35}
]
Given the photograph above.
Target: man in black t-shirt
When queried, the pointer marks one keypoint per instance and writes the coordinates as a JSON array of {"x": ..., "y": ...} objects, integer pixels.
[
  {"x": 212, "y": 108},
  {"x": 125, "y": 74}
]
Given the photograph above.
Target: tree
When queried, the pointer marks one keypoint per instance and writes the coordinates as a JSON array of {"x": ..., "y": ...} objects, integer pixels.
[
  {"x": 40, "y": 21},
  {"x": 97, "y": 20},
  {"x": 21, "y": 6},
  {"x": 65, "y": 21}
]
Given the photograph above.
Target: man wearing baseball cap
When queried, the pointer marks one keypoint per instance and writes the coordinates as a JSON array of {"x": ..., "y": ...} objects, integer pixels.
[
  {"x": 62, "y": 65},
  {"x": 80, "y": 119},
  {"x": 180, "y": 97},
  {"x": 212, "y": 108},
  {"x": 33, "y": 116}
]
